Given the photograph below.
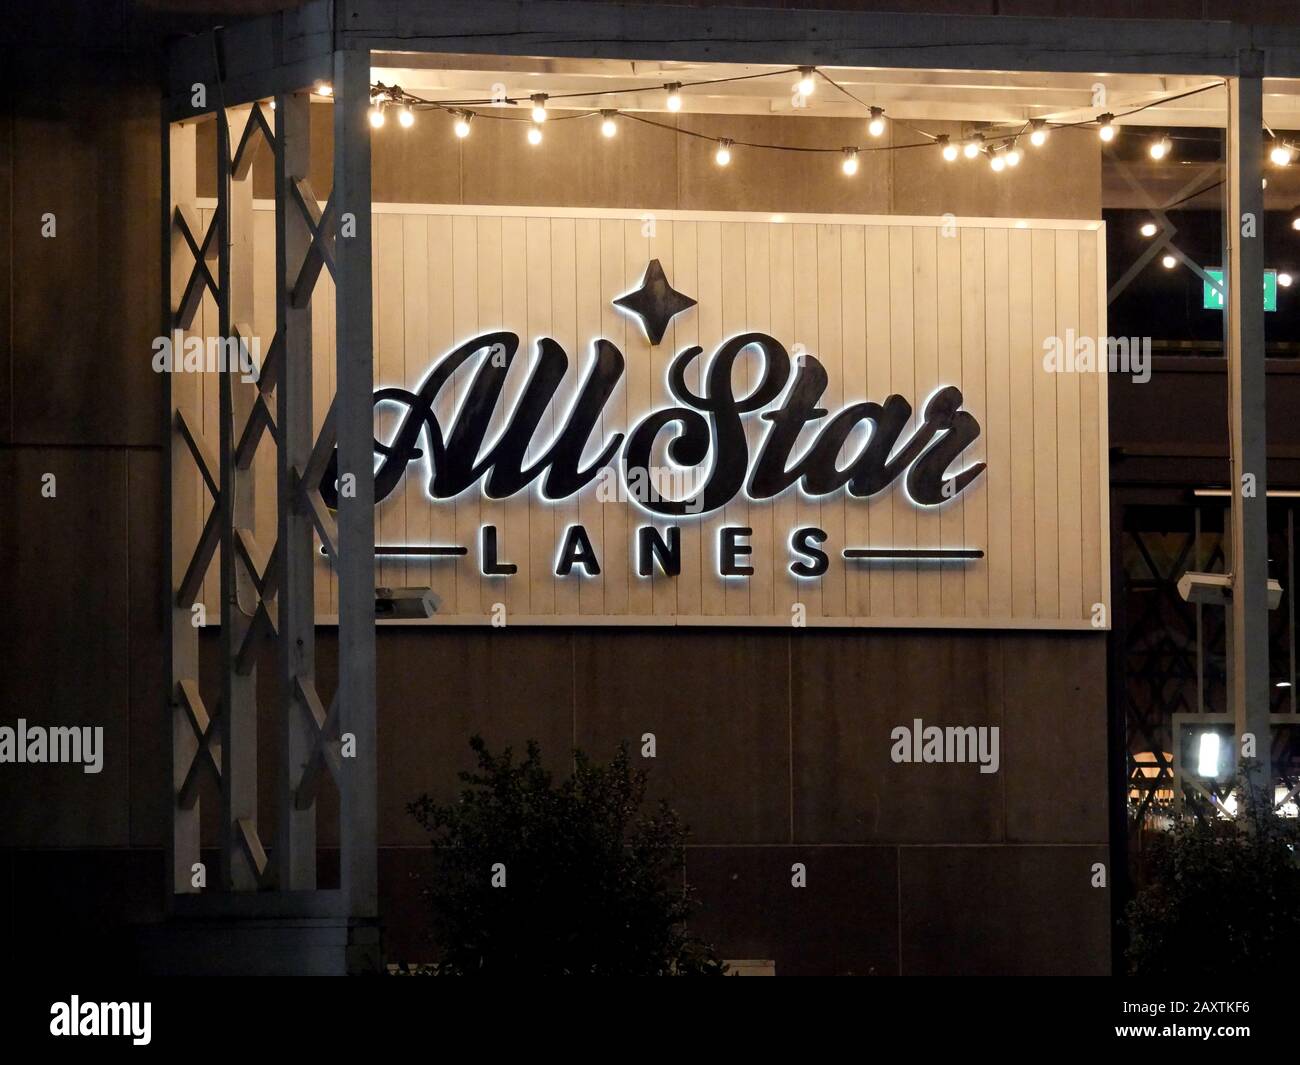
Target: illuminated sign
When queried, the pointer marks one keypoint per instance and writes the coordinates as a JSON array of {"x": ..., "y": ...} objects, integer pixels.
[
  {"x": 1212, "y": 295},
  {"x": 705, "y": 431}
]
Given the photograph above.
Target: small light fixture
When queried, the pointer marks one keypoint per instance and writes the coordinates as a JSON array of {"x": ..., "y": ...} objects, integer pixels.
[
  {"x": 850, "y": 164},
  {"x": 377, "y": 116},
  {"x": 674, "y": 101},
  {"x": 324, "y": 88},
  {"x": 877, "y": 124},
  {"x": 950, "y": 150},
  {"x": 1038, "y": 132},
  {"x": 723, "y": 155},
  {"x": 973, "y": 146},
  {"x": 539, "y": 106},
  {"x": 463, "y": 119},
  {"x": 1160, "y": 148},
  {"x": 1106, "y": 127},
  {"x": 806, "y": 83},
  {"x": 534, "y": 136},
  {"x": 1148, "y": 229},
  {"x": 608, "y": 127},
  {"x": 1295, "y": 219},
  {"x": 1284, "y": 279},
  {"x": 406, "y": 117},
  {"x": 273, "y": 104},
  {"x": 1207, "y": 755},
  {"x": 1168, "y": 262},
  {"x": 997, "y": 160},
  {"x": 1281, "y": 153},
  {"x": 1013, "y": 156}
]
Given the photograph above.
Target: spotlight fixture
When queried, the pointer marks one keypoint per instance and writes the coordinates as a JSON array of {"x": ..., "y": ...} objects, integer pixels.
[
  {"x": 377, "y": 116},
  {"x": 949, "y": 149},
  {"x": 674, "y": 101},
  {"x": 973, "y": 146},
  {"x": 850, "y": 164},
  {"x": 998, "y": 161},
  {"x": 608, "y": 127},
  {"x": 723, "y": 155},
  {"x": 1284, "y": 279},
  {"x": 1160, "y": 148},
  {"x": 1295, "y": 219},
  {"x": 1013, "y": 156},
  {"x": 539, "y": 106},
  {"x": 1168, "y": 262},
  {"x": 406, "y": 117},
  {"x": 877, "y": 124},
  {"x": 463, "y": 119},
  {"x": 1038, "y": 132},
  {"x": 1148, "y": 229},
  {"x": 1281, "y": 153},
  {"x": 806, "y": 83},
  {"x": 534, "y": 136},
  {"x": 1106, "y": 127},
  {"x": 324, "y": 88}
]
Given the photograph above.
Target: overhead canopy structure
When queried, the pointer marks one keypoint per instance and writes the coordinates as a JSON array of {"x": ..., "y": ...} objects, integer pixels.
[{"x": 991, "y": 69}]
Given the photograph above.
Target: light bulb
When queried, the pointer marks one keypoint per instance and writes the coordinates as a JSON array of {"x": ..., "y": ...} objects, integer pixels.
[
  {"x": 406, "y": 117},
  {"x": 877, "y": 124},
  {"x": 723, "y": 155},
  {"x": 462, "y": 124},
  {"x": 376, "y": 116},
  {"x": 674, "y": 102},
  {"x": 1148, "y": 229},
  {"x": 1106, "y": 131},
  {"x": 1281, "y": 154},
  {"x": 850, "y": 164},
  {"x": 949, "y": 149},
  {"x": 1013, "y": 156},
  {"x": 1168, "y": 262},
  {"x": 1038, "y": 137},
  {"x": 324, "y": 88},
  {"x": 997, "y": 161},
  {"x": 805, "y": 85},
  {"x": 534, "y": 136},
  {"x": 973, "y": 145},
  {"x": 539, "y": 106},
  {"x": 272, "y": 105},
  {"x": 1284, "y": 279},
  {"x": 1295, "y": 222},
  {"x": 608, "y": 127},
  {"x": 1160, "y": 147}
]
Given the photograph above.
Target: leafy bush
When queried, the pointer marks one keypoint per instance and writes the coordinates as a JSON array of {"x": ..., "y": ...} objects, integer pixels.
[
  {"x": 1223, "y": 896},
  {"x": 592, "y": 884}
]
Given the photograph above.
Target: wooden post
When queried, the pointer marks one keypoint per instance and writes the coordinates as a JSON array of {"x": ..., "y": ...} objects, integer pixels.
[
  {"x": 295, "y": 852},
  {"x": 358, "y": 820},
  {"x": 239, "y": 596},
  {"x": 184, "y": 500},
  {"x": 1248, "y": 690}
]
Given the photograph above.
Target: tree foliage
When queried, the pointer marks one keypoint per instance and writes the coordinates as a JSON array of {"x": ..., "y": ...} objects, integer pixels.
[
  {"x": 1222, "y": 897},
  {"x": 593, "y": 884}
]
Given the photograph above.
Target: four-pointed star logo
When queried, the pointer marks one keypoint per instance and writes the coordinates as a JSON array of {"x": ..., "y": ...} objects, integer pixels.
[{"x": 656, "y": 302}]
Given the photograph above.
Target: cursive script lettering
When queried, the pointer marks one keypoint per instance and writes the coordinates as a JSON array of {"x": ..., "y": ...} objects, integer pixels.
[{"x": 705, "y": 430}]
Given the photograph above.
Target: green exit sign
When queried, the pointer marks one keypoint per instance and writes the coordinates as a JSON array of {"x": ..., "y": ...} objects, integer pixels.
[{"x": 1212, "y": 298}]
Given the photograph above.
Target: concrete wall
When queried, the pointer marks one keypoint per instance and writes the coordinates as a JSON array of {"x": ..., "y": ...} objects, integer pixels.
[{"x": 940, "y": 870}]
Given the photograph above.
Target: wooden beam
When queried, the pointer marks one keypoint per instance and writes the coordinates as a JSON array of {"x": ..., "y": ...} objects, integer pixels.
[
  {"x": 1244, "y": 323},
  {"x": 238, "y": 592},
  {"x": 295, "y": 848},
  {"x": 354, "y": 414},
  {"x": 184, "y": 495}
]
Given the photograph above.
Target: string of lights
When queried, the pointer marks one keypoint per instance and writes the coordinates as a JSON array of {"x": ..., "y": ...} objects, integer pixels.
[{"x": 1000, "y": 147}]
